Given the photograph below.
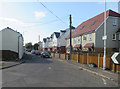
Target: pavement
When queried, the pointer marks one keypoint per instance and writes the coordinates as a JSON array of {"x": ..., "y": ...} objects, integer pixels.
[
  {"x": 8, "y": 64},
  {"x": 50, "y": 72},
  {"x": 110, "y": 75}
]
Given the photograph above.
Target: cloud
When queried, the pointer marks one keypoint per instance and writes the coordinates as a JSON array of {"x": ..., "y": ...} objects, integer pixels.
[
  {"x": 14, "y": 22},
  {"x": 39, "y": 15}
]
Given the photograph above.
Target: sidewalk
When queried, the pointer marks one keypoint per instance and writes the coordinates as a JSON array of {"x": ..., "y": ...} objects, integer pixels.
[
  {"x": 8, "y": 64},
  {"x": 97, "y": 71}
]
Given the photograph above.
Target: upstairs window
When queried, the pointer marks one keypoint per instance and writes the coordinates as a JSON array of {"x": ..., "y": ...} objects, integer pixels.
[
  {"x": 114, "y": 37},
  {"x": 84, "y": 38},
  {"x": 90, "y": 37},
  {"x": 114, "y": 22},
  {"x": 74, "y": 40}
]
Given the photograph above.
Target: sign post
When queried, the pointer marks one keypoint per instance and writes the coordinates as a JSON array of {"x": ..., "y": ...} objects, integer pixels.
[{"x": 116, "y": 59}]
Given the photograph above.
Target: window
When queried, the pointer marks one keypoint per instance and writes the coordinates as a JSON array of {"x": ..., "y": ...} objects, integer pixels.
[
  {"x": 90, "y": 37},
  {"x": 84, "y": 38},
  {"x": 114, "y": 37},
  {"x": 74, "y": 40},
  {"x": 119, "y": 36},
  {"x": 78, "y": 39},
  {"x": 114, "y": 22}
]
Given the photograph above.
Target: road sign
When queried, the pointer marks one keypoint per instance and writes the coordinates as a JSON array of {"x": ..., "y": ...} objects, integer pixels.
[
  {"x": 104, "y": 38},
  {"x": 116, "y": 58}
]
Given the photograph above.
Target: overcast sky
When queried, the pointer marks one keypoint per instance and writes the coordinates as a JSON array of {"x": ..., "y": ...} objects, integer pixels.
[{"x": 32, "y": 19}]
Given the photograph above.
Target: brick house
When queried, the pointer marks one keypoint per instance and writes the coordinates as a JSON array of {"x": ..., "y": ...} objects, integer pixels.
[{"x": 88, "y": 35}]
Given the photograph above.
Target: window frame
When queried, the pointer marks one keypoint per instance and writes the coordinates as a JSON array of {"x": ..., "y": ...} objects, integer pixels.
[
  {"x": 90, "y": 37},
  {"x": 114, "y": 38},
  {"x": 114, "y": 22}
]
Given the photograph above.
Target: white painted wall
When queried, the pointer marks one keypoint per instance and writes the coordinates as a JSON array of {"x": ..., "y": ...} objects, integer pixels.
[
  {"x": 61, "y": 39},
  {"x": 10, "y": 41}
]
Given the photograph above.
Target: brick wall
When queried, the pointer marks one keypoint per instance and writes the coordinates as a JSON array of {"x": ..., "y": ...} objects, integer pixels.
[{"x": 7, "y": 54}]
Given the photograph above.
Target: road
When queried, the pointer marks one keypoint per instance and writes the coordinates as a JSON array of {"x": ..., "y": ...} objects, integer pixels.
[{"x": 49, "y": 72}]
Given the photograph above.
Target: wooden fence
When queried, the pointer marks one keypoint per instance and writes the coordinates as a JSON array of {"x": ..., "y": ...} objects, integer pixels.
[{"x": 89, "y": 57}]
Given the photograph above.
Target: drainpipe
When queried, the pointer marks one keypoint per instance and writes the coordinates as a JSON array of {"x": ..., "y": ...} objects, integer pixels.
[{"x": 18, "y": 47}]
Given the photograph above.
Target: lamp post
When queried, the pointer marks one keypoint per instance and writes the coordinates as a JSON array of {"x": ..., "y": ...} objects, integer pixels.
[{"x": 105, "y": 38}]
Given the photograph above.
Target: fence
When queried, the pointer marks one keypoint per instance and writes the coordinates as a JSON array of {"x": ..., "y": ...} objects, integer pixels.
[{"x": 89, "y": 57}]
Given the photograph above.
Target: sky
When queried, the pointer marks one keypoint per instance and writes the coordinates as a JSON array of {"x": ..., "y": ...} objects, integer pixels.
[{"x": 32, "y": 19}]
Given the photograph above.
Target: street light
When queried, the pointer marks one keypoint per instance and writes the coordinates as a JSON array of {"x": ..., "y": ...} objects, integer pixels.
[{"x": 105, "y": 38}]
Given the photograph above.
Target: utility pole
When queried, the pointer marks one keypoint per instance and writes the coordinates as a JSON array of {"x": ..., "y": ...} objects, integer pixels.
[
  {"x": 105, "y": 38},
  {"x": 70, "y": 36}
]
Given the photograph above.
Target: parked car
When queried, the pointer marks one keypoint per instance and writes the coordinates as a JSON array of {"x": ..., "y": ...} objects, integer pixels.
[
  {"x": 29, "y": 50},
  {"x": 45, "y": 55},
  {"x": 37, "y": 52},
  {"x": 33, "y": 51}
]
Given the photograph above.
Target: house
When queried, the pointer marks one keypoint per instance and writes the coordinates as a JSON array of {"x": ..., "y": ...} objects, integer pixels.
[
  {"x": 62, "y": 40},
  {"x": 88, "y": 35},
  {"x": 11, "y": 44},
  {"x": 44, "y": 44}
]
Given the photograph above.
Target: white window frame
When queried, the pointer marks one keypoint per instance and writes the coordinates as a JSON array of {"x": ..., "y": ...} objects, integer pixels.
[
  {"x": 85, "y": 37},
  {"x": 114, "y": 21},
  {"x": 114, "y": 38},
  {"x": 90, "y": 37}
]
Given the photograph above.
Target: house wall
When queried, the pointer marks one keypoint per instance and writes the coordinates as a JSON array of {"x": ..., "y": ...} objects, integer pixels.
[
  {"x": 79, "y": 40},
  {"x": 55, "y": 42},
  {"x": 61, "y": 39},
  {"x": 110, "y": 31},
  {"x": 88, "y": 39},
  {"x": 10, "y": 41},
  {"x": 0, "y": 45}
]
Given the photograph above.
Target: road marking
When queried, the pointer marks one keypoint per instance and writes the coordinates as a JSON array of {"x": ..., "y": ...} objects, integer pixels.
[
  {"x": 49, "y": 68},
  {"x": 104, "y": 81}
]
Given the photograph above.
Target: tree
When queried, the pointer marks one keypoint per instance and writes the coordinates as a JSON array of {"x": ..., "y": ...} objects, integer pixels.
[
  {"x": 36, "y": 45},
  {"x": 29, "y": 45}
]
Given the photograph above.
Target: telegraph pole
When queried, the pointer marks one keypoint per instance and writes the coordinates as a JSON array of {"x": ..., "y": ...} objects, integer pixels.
[
  {"x": 70, "y": 36},
  {"x": 105, "y": 38}
]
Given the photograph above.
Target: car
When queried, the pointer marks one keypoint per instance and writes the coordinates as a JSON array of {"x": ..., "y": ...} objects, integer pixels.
[
  {"x": 33, "y": 51},
  {"x": 37, "y": 52},
  {"x": 45, "y": 55},
  {"x": 29, "y": 50}
]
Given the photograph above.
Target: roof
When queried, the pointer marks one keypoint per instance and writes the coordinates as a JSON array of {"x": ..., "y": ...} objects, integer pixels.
[
  {"x": 93, "y": 23},
  {"x": 88, "y": 45},
  {"x": 44, "y": 39},
  {"x": 13, "y": 31},
  {"x": 76, "y": 46},
  {"x": 57, "y": 34},
  {"x": 62, "y": 30}
]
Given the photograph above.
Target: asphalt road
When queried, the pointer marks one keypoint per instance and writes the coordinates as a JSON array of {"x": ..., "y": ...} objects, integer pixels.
[{"x": 43, "y": 72}]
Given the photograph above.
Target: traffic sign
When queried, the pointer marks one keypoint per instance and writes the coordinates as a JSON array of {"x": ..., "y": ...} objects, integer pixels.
[{"x": 116, "y": 58}]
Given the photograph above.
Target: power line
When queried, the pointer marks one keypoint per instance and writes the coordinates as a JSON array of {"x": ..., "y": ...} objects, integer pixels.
[{"x": 52, "y": 12}]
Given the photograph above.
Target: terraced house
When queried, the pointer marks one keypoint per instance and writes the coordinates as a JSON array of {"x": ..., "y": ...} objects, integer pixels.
[
  {"x": 88, "y": 35},
  {"x": 56, "y": 42}
]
